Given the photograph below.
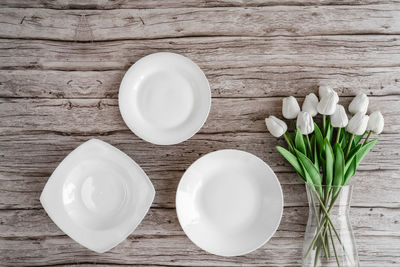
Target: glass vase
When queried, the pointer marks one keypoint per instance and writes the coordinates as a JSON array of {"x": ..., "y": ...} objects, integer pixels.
[{"x": 329, "y": 239}]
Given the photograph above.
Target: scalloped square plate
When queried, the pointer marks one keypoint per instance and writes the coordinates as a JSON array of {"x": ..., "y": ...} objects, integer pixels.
[{"x": 97, "y": 195}]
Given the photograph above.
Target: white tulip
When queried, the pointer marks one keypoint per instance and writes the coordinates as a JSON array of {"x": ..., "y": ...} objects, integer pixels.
[
  {"x": 305, "y": 123},
  {"x": 324, "y": 91},
  {"x": 310, "y": 104},
  {"x": 290, "y": 107},
  {"x": 339, "y": 118},
  {"x": 276, "y": 126},
  {"x": 327, "y": 104},
  {"x": 359, "y": 104},
  {"x": 375, "y": 122},
  {"x": 358, "y": 124}
]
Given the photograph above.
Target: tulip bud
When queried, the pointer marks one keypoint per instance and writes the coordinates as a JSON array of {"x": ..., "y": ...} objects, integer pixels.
[
  {"x": 339, "y": 118},
  {"x": 359, "y": 104},
  {"x": 290, "y": 107},
  {"x": 305, "y": 123},
  {"x": 375, "y": 122},
  {"x": 358, "y": 124},
  {"x": 310, "y": 104},
  {"x": 276, "y": 126},
  {"x": 327, "y": 104},
  {"x": 324, "y": 91}
]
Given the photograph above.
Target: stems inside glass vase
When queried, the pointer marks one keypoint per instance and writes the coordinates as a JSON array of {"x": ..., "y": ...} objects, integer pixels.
[{"x": 326, "y": 233}]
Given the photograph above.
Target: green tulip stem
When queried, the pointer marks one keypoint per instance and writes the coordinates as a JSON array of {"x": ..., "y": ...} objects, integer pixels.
[
  {"x": 285, "y": 135},
  {"x": 309, "y": 147},
  {"x": 323, "y": 124},
  {"x": 366, "y": 139},
  {"x": 333, "y": 245},
  {"x": 338, "y": 134},
  {"x": 349, "y": 145}
]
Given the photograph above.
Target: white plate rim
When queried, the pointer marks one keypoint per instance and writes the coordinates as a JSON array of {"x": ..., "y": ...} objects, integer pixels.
[
  {"x": 281, "y": 208},
  {"x": 130, "y": 124}
]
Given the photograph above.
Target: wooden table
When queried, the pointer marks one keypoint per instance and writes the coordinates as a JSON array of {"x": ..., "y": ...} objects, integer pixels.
[{"x": 60, "y": 69}]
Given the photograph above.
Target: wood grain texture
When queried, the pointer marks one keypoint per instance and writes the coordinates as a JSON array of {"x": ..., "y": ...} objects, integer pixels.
[
  {"x": 22, "y": 190},
  {"x": 217, "y": 53},
  {"x": 60, "y": 69},
  {"x": 272, "y": 65},
  {"x": 102, "y": 116},
  {"x": 122, "y": 24},
  {"x": 40, "y": 237},
  {"x": 123, "y": 4}
]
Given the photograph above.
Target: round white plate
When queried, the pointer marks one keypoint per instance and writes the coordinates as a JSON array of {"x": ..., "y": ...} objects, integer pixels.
[
  {"x": 229, "y": 202},
  {"x": 164, "y": 98}
]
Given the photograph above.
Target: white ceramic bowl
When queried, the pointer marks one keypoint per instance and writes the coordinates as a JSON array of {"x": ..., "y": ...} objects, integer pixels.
[
  {"x": 229, "y": 202},
  {"x": 97, "y": 195},
  {"x": 164, "y": 98}
]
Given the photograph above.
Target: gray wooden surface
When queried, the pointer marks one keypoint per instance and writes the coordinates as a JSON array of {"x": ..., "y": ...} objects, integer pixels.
[{"x": 60, "y": 68}]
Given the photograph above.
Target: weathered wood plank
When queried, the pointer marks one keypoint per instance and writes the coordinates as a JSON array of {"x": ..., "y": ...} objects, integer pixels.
[
  {"x": 28, "y": 161},
  {"x": 221, "y": 55},
  {"x": 102, "y": 116},
  {"x": 160, "y": 228},
  {"x": 153, "y": 250},
  {"x": 268, "y": 81},
  {"x": 41, "y": 153},
  {"x": 21, "y": 191},
  {"x": 88, "y": 25},
  {"x": 123, "y": 4},
  {"x": 269, "y": 67},
  {"x": 366, "y": 221},
  {"x": 157, "y": 250}
]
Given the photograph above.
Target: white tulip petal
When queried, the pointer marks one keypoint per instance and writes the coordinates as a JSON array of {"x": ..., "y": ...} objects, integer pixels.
[
  {"x": 324, "y": 91},
  {"x": 327, "y": 104},
  {"x": 305, "y": 123},
  {"x": 359, "y": 104},
  {"x": 376, "y": 122},
  {"x": 276, "y": 126},
  {"x": 290, "y": 107},
  {"x": 310, "y": 104},
  {"x": 358, "y": 124},
  {"x": 339, "y": 118}
]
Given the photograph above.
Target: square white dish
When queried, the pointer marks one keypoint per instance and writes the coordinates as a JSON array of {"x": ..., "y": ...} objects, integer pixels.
[{"x": 97, "y": 195}]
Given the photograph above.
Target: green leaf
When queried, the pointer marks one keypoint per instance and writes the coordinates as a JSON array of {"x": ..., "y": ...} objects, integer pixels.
[
  {"x": 312, "y": 141},
  {"x": 290, "y": 136},
  {"x": 314, "y": 145},
  {"x": 339, "y": 168},
  {"x": 343, "y": 140},
  {"x": 292, "y": 159},
  {"x": 318, "y": 137},
  {"x": 329, "y": 158},
  {"x": 364, "y": 150},
  {"x": 299, "y": 141},
  {"x": 360, "y": 154},
  {"x": 322, "y": 163},
  {"x": 351, "y": 170},
  {"x": 357, "y": 139},
  {"x": 354, "y": 151},
  {"x": 309, "y": 169},
  {"x": 329, "y": 130}
]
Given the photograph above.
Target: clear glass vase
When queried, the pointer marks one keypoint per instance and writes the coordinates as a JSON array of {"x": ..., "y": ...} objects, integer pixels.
[{"x": 329, "y": 239}]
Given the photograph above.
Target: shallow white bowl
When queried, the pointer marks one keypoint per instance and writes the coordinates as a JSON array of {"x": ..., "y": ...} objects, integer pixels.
[
  {"x": 229, "y": 202},
  {"x": 97, "y": 195},
  {"x": 164, "y": 98}
]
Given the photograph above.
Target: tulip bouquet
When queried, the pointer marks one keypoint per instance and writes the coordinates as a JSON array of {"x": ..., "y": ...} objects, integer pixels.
[{"x": 326, "y": 156}]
